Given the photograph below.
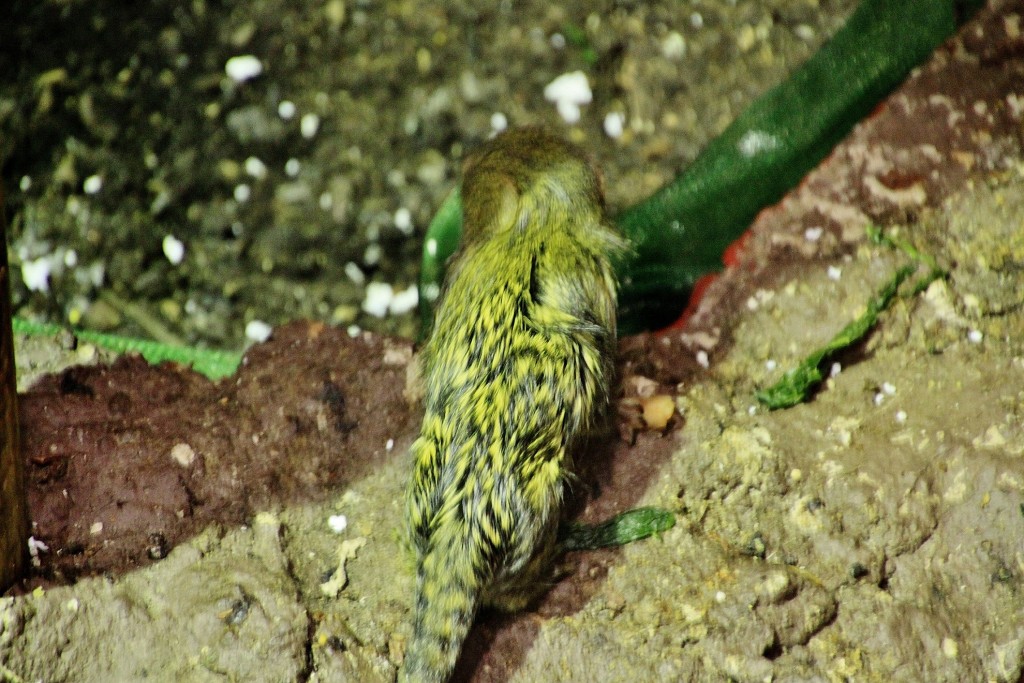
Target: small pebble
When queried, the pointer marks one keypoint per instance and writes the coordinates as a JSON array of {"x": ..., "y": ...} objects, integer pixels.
[
  {"x": 355, "y": 273},
  {"x": 309, "y": 124},
  {"x": 568, "y": 92},
  {"x": 292, "y": 167},
  {"x": 337, "y": 523},
  {"x": 614, "y": 123},
  {"x": 243, "y": 68},
  {"x": 834, "y": 272},
  {"x": 242, "y": 193},
  {"x": 372, "y": 255},
  {"x": 499, "y": 122},
  {"x": 403, "y": 221},
  {"x": 174, "y": 249},
  {"x": 378, "y": 298},
  {"x": 256, "y": 168},
  {"x": 183, "y": 454},
  {"x": 975, "y": 336},
  {"x": 92, "y": 184},
  {"x": 286, "y": 110},
  {"x": 674, "y": 46},
  {"x": 702, "y": 359},
  {"x": 813, "y": 234},
  {"x": 36, "y": 274},
  {"x": 405, "y": 301},
  {"x": 258, "y": 331}
]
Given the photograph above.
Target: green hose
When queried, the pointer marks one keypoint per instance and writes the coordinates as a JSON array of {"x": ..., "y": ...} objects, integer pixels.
[
  {"x": 680, "y": 232},
  {"x": 212, "y": 364}
]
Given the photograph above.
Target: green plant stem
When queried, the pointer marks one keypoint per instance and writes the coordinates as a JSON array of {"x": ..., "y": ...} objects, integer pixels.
[
  {"x": 212, "y": 364},
  {"x": 797, "y": 384},
  {"x": 629, "y": 526}
]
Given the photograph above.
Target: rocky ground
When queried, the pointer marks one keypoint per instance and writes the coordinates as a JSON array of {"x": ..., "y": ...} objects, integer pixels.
[{"x": 194, "y": 530}]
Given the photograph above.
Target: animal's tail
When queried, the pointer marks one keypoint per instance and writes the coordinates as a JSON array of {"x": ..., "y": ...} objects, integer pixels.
[{"x": 447, "y": 596}]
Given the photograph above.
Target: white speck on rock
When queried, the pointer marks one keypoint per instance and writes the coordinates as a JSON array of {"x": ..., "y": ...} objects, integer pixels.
[
  {"x": 337, "y": 523},
  {"x": 568, "y": 92},
  {"x": 499, "y": 122},
  {"x": 243, "y": 68},
  {"x": 674, "y": 46},
  {"x": 174, "y": 249},
  {"x": 309, "y": 124},
  {"x": 403, "y": 221},
  {"x": 372, "y": 255},
  {"x": 614, "y": 123},
  {"x": 378, "y": 298},
  {"x": 702, "y": 359},
  {"x": 355, "y": 273},
  {"x": 286, "y": 110},
  {"x": 834, "y": 272},
  {"x": 975, "y": 336},
  {"x": 256, "y": 168},
  {"x": 183, "y": 454},
  {"x": 258, "y": 331},
  {"x": 92, "y": 184},
  {"x": 36, "y": 274},
  {"x": 813, "y": 234},
  {"x": 405, "y": 301},
  {"x": 35, "y": 547}
]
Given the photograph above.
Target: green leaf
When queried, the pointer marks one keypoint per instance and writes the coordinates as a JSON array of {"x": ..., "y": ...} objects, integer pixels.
[{"x": 629, "y": 526}]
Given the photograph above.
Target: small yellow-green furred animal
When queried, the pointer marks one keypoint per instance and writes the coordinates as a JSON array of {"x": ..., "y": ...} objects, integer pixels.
[{"x": 515, "y": 373}]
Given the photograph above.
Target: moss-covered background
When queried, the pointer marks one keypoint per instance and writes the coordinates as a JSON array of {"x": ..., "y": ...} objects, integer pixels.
[{"x": 119, "y": 126}]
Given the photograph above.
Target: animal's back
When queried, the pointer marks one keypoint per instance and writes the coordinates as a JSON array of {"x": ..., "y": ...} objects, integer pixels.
[{"x": 516, "y": 371}]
